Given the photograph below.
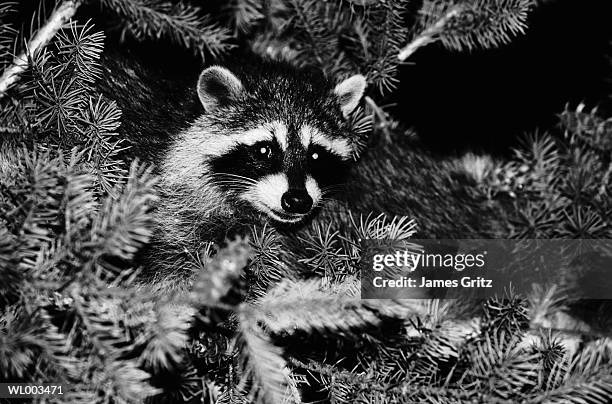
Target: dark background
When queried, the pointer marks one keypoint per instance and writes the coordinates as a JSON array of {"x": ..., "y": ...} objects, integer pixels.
[{"x": 485, "y": 100}]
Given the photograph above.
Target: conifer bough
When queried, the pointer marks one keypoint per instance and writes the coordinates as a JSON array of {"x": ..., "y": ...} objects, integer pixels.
[
  {"x": 461, "y": 25},
  {"x": 60, "y": 16},
  {"x": 426, "y": 37},
  {"x": 68, "y": 311}
]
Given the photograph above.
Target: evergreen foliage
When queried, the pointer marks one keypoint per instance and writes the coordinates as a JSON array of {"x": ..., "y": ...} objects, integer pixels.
[
  {"x": 559, "y": 186},
  {"x": 179, "y": 22},
  {"x": 7, "y": 35},
  {"x": 467, "y": 25},
  {"x": 247, "y": 328},
  {"x": 366, "y": 36}
]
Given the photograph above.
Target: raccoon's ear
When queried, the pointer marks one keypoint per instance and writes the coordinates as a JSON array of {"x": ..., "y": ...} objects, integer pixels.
[
  {"x": 349, "y": 92},
  {"x": 217, "y": 86}
]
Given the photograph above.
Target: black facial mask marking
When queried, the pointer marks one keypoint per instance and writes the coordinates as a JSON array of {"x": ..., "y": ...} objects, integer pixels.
[
  {"x": 247, "y": 161},
  {"x": 328, "y": 168}
]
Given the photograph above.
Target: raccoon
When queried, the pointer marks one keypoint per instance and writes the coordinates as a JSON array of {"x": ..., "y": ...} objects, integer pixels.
[{"x": 271, "y": 142}]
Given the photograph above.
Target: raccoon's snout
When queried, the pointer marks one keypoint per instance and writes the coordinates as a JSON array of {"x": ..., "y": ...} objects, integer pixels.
[
  {"x": 296, "y": 201},
  {"x": 273, "y": 196}
]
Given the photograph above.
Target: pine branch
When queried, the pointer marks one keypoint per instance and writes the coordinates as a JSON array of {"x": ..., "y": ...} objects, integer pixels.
[
  {"x": 361, "y": 124},
  {"x": 544, "y": 303},
  {"x": 167, "y": 337},
  {"x": 307, "y": 17},
  {"x": 587, "y": 126},
  {"x": 221, "y": 275},
  {"x": 101, "y": 119},
  {"x": 379, "y": 227},
  {"x": 59, "y": 348},
  {"x": 293, "y": 306},
  {"x": 267, "y": 263},
  {"x": 245, "y": 14},
  {"x": 262, "y": 363},
  {"x": 305, "y": 306},
  {"x": 123, "y": 224},
  {"x": 339, "y": 38},
  {"x": 58, "y": 89},
  {"x": 62, "y": 14},
  {"x": 507, "y": 315},
  {"x": 383, "y": 121},
  {"x": 501, "y": 367},
  {"x": 326, "y": 256},
  {"x": 460, "y": 25},
  {"x": 19, "y": 344},
  {"x": 550, "y": 351},
  {"x": 558, "y": 183},
  {"x": 439, "y": 340},
  {"x": 426, "y": 37},
  {"x": 8, "y": 35},
  {"x": 10, "y": 275},
  {"x": 33, "y": 188},
  {"x": 113, "y": 375},
  {"x": 179, "y": 22},
  {"x": 54, "y": 215},
  {"x": 378, "y": 32},
  {"x": 340, "y": 384},
  {"x": 585, "y": 377},
  {"x": 78, "y": 52}
]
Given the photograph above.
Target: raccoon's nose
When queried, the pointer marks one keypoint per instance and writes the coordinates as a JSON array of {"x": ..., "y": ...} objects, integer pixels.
[{"x": 296, "y": 201}]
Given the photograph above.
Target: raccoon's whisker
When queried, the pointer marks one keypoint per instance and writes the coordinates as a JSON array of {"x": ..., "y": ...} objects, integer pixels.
[
  {"x": 325, "y": 199},
  {"x": 235, "y": 176},
  {"x": 328, "y": 195},
  {"x": 332, "y": 188},
  {"x": 233, "y": 182},
  {"x": 234, "y": 185}
]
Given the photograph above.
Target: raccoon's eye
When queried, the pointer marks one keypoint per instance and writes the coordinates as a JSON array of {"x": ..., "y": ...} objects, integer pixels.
[
  {"x": 263, "y": 150},
  {"x": 317, "y": 154}
]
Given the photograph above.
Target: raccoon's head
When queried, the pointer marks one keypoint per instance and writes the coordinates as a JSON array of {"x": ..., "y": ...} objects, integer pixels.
[{"x": 281, "y": 140}]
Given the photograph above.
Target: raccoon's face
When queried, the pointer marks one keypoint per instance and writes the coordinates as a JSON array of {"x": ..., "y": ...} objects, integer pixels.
[{"x": 282, "y": 145}]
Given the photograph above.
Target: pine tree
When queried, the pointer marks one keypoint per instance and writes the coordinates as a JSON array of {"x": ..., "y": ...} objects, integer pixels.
[{"x": 73, "y": 215}]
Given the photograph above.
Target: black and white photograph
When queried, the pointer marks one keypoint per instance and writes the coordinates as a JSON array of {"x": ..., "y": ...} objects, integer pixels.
[{"x": 306, "y": 201}]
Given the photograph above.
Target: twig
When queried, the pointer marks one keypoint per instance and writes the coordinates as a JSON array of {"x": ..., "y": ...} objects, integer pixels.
[
  {"x": 382, "y": 117},
  {"x": 606, "y": 179},
  {"x": 9, "y": 129},
  {"x": 426, "y": 37},
  {"x": 60, "y": 16}
]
